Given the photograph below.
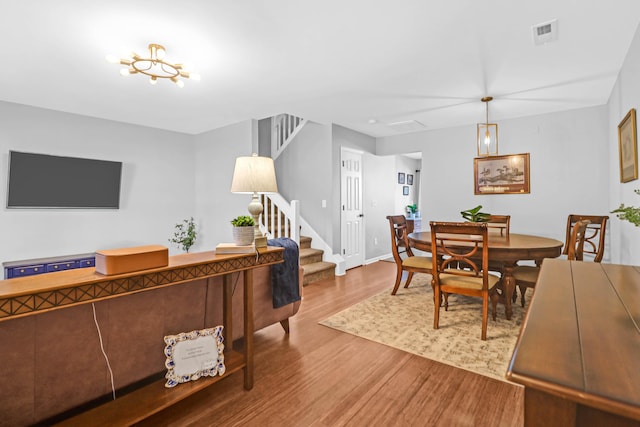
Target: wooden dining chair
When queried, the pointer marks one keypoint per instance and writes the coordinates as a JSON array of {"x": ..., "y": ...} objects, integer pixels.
[
  {"x": 402, "y": 254},
  {"x": 594, "y": 235},
  {"x": 455, "y": 243},
  {"x": 526, "y": 276},
  {"x": 499, "y": 223}
]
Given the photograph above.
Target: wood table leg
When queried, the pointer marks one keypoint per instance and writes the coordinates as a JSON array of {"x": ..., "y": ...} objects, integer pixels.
[
  {"x": 248, "y": 329},
  {"x": 227, "y": 314},
  {"x": 509, "y": 288}
]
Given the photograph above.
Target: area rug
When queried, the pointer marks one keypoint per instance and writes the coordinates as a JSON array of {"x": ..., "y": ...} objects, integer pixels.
[{"x": 405, "y": 322}]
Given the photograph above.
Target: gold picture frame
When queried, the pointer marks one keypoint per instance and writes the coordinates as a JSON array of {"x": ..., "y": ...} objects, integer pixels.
[
  {"x": 502, "y": 174},
  {"x": 628, "y": 147}
]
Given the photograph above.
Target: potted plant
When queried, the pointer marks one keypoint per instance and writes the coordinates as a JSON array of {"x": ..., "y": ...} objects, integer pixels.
[
  {"x": 243, "y": 230},
  {"x": 474, "y": 215},
  {"x": 412, "y": 210},
  {"x": 185, "y": 234},
  {"x": 629, "y": 213}
]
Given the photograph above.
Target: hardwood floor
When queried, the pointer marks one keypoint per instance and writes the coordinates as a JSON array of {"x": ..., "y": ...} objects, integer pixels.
[{"x": 318, "y": 376}]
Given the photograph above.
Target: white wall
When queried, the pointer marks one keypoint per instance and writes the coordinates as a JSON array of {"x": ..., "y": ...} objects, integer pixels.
[
  {"x": 157, "y": 184},
  {"x": 569, "y": 170}
]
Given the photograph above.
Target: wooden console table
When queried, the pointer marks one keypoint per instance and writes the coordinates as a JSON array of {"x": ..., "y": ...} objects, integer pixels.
[
  {"x": 579, "y": 347},
  {"x": 26, "y": 297}
]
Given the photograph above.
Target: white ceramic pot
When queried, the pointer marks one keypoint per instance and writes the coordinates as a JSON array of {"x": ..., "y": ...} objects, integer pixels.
[{"x": 243, "y": 236}]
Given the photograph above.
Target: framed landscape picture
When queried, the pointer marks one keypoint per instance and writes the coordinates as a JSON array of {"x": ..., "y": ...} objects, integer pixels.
[
  {"x": 502, "y": 174},
  {"x": 628, "y": 147}
]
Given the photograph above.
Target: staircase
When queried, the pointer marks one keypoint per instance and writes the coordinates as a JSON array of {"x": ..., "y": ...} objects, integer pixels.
[
  {"x": 281, "y": 219},
  {"x": 311, "y": 260}
]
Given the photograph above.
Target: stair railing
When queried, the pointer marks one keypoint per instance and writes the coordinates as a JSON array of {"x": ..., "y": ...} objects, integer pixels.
[
  {"x": 284, "y": 127},
  {"x": 280, "y": 218}
]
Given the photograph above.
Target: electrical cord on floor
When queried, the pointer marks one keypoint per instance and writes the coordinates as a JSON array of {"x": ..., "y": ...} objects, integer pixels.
[{"x": 95, "y": 319}]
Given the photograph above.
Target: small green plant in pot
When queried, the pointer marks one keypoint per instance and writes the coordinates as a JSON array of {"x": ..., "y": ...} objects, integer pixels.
[
  {"x": 412, "y": 210},
  {"x": 243, "y": 230},
  {"x": 185, "y": 234}
]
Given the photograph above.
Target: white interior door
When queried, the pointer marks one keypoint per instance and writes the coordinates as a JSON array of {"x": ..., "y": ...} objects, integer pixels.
[{"x": 352, "y": 221}]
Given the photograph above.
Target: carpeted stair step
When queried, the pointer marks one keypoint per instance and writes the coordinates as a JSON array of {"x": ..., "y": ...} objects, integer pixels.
[
  {"x": 310, "y": 256},
  {"x": 318, "y": 271},
  {"x": 305, "y": 242}
]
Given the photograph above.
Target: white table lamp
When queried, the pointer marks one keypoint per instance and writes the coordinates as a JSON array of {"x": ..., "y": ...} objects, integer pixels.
[{"x": 253, "y": 175}]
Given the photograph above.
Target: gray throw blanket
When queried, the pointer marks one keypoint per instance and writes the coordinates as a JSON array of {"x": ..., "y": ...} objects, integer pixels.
[{"x": 284, "y": 276}]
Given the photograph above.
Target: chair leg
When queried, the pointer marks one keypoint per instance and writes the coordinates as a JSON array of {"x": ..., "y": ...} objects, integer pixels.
[
  {"x": 409, "y": 277},
  {"x": 485, "y": 316},
  {"x": 436, "y": 307},
  {"x": 398, "y": 279}
]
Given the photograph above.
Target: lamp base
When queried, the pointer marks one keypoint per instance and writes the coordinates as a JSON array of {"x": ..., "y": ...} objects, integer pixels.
[{"x": 260, "y": 242}]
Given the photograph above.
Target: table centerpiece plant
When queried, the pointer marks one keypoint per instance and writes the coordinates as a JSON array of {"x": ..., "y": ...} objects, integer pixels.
[{"x": 474, "y": 215}]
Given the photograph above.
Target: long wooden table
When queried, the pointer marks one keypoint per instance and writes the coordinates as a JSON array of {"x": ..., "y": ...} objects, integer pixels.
[
  {"x": 578, "y": 353},
  {"x": 172, "y": 297},
  {"x": 507, "y": 250}
]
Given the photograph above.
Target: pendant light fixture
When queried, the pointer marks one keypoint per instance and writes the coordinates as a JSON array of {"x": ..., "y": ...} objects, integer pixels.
[{"x": 487, "y": 133}]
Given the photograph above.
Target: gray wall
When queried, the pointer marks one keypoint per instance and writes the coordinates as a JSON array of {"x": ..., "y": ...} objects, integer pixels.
[
  {"x": 157, "y": 184},
  {"x": 214, "y": 160},
  {"x": 568, "y": 170},
  {"x": 303, "y": 172},
  {"x": 625, "y": 237}
]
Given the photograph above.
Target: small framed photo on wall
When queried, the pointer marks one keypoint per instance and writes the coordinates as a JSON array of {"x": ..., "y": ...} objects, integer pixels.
[
  {"x": 405, "y": 190},
  {"x": 400, "y": 177},
  {"x": 409, "y": 179}
]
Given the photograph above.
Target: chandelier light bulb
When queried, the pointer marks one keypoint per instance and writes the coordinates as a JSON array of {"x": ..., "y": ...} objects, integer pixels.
[
  {"x": 124, "y": 72},
  {"x": 153, "y": 80},
  {"x": 487, "y": 138}
]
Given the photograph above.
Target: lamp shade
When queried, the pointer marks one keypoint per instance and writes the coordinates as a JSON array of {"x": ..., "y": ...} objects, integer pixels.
[{"x": 254, "y": 174}]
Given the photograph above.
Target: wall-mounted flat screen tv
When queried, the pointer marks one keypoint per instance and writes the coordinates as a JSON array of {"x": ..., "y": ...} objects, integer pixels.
[{"x": 45, "y": 181}]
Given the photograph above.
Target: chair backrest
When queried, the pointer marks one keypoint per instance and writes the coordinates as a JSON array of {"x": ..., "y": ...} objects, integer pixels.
[
  {"x": 499, "y": 223},
  {"x": 594, "y": 236},
  {"x": 460, "y": 243},
  {"x": 576, "y": 241},
  {"x": 399, "y": 239}
]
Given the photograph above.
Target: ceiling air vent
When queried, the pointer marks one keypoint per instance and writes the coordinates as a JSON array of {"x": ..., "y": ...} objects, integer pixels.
[
  {"x": 546, "y": 32},
  {"x": 407, "y": 126}
]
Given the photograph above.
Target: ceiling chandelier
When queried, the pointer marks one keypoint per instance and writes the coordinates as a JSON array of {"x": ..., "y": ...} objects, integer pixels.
[
  {"x": 154, "y": 66},
  {"x": 487, "y": 133}
]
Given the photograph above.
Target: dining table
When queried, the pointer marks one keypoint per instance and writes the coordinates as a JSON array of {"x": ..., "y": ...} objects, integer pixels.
[{"x": 506, "y": 250}]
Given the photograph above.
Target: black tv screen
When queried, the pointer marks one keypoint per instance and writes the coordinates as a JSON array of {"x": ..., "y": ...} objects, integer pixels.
[{"x": 45, "y": 181}]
